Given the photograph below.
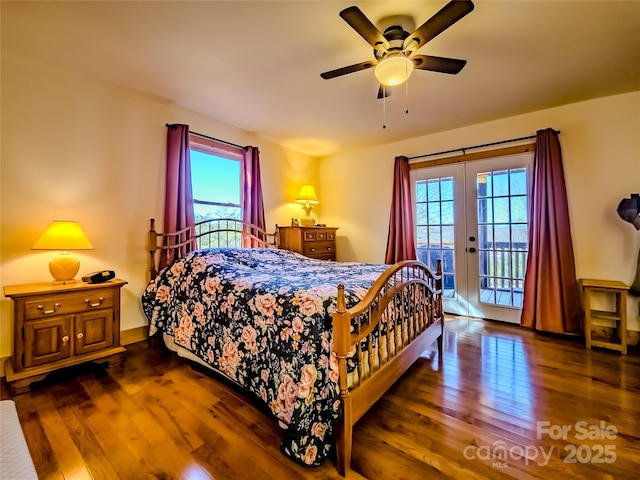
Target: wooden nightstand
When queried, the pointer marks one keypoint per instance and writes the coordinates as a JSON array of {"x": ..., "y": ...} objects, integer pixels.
[
  {"x": 56, "y": 326},
  {"x": 314, "y": 242},
  {"x": 618, "y": 315}
]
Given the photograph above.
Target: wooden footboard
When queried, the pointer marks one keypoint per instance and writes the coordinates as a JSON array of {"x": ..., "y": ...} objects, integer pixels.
[{"x": 398, "y": 319}]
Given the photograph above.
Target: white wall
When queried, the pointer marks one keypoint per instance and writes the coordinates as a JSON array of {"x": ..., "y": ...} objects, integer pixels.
[
  {"x": 80, "y": 149},
  {"x": 600, "y": 143}
]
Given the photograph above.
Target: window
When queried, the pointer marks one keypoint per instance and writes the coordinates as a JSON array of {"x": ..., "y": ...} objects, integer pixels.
[{"x": 216, "y": 179}]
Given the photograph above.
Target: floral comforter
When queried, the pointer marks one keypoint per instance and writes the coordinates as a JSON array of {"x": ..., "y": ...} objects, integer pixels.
[{"x": 262, "y": 317}]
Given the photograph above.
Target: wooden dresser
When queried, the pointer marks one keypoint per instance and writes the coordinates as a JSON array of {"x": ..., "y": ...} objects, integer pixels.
[
  {"x": 314, "y": 242},
  {"x": 56, "y": 326}
]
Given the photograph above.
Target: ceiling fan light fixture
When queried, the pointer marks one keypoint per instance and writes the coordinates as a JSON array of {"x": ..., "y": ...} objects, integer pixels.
[{"x": 394, "y": 69}]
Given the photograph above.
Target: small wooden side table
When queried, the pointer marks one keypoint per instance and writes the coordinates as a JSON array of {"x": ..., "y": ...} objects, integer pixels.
[
  {"x": 56, "y": 326},
  {"x": 619, "y": 315}
]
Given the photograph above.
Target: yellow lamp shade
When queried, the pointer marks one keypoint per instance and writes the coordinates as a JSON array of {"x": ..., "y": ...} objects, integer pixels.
[
  {"x": 307, "y": 197},
  {"x": 64, "y": 236}
]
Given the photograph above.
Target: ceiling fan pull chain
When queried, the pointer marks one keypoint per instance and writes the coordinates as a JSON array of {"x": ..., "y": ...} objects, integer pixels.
[
  {"x": 406, "y": 93},
  {"x": 384, "y": 106}
]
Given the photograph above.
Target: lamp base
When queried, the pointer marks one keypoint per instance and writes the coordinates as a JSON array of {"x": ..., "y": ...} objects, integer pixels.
[
  {"x": 307, "y": 220},
  {"x": 64, "y": 268}
]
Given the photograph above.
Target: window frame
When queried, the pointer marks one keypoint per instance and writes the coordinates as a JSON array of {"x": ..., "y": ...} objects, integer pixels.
[{"x": 219, "y": 149}]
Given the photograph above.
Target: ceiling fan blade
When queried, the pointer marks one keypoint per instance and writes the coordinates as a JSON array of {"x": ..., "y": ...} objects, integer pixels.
[
  {"x": 438, "y": 64},
  {"x": 367, "y": 30},
  {"x": 350, "y": 69},
  {"x": 383, "y": 92},
  {"x": 447, "y": 16}
]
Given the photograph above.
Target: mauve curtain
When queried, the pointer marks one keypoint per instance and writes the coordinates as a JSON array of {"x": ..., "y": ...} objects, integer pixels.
[
  {"x": 551, "y": 291},
  {"x": 252, "y": 204},
  {"x": 401, "y": 243},
  {"x": 178, "y": 201}
]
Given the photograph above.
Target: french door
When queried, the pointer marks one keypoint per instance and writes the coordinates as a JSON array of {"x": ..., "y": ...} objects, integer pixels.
[{"x": 474, "y": 216}]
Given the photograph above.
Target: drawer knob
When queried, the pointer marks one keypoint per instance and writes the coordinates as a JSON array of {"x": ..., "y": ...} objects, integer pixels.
[
  {"x": 65, "y": 339},
  {"x": 55, "y": 308},
  {"x": 80, "y": 335},
  {"x": 93, "y": 305},
  {"x": 329, "y": 248},
  {"x": 313, "y": 249}
]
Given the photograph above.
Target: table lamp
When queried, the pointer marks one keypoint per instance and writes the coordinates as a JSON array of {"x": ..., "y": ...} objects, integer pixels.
[
  {"x": 307, "y": 197},
  {"x": 63, "y": 236}
]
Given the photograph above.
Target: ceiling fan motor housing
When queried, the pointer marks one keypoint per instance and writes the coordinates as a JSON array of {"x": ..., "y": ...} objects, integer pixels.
[{"x": 395, "y": 35}]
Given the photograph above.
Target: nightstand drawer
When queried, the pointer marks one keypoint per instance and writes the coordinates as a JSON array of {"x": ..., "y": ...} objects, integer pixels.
[
  {"x": 314, "y": 248},
  {"x": 65, "y": 304}
]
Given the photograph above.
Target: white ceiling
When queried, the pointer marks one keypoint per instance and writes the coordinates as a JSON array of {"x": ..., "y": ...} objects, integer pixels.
[{"x": 256, "y": 65}]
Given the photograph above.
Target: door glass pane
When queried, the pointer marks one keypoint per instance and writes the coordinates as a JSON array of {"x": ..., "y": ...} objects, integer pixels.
[
  {"x": 447, "y": 213},
  {"x": 421, "y": 213},
  {"x": 519, "y": 208},
  {"x": 484, "y": 185},
  {"x": 448, "y": 264},
  {"x": 433, "y": 190},
  {"x": 486, "y": 263},
  {"x": 519, "y": 236},
  {"x": 518, "y": 181},
  {"x": 446, "y": 188},
  {"x": 502, "y": 235},
  {"x": 421, "y": 235},
  {"x": 434, "y": 213},
  {"x": 485, "y": 214},
  {"x": 448, "y": 236},
  {"x": 485, "y": 236},
  {"x": 421, "y": 192},
  {"x": 500, "y": 183},
  {"x": 435, "y": 239},
  {"x": 501, "y": 210}
]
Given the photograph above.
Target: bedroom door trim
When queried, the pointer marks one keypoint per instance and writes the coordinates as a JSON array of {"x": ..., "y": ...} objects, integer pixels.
[{"x": 470, "y": 157}]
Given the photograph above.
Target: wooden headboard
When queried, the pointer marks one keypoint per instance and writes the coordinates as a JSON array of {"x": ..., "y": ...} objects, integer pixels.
[{"x": 164, "y": 248}]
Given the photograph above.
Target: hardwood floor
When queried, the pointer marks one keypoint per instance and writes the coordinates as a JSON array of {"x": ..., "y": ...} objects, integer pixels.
[{"x": 499, "y": 390}]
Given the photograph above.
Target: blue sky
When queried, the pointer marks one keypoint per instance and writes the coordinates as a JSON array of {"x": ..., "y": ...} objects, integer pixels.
[{"x": 215, "y": 178}]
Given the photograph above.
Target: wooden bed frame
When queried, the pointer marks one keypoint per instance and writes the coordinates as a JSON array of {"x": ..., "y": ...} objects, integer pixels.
[{"x": 407, "y": 335}]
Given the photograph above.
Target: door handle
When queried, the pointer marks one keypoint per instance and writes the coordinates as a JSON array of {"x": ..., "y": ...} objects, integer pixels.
[
  {"x": 472, "y": 238},
  {"x": 471, "y": 250}
]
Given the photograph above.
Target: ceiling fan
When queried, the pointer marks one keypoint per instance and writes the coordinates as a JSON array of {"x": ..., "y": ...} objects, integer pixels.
[{"x": 393, "y": 50}]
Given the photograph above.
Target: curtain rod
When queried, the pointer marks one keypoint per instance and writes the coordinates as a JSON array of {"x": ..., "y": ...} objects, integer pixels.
[
  {"x": 212, "y": 138},
  {"x": 463, "y": 149}
]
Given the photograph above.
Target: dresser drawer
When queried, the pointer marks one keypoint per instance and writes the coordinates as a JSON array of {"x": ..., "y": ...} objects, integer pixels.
[
  {"x": 63, "y": 304},
  {"x": 319, "y": 236},
  {"x": 323, "y": 256},
  {"x": 314, "y": 248}
]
